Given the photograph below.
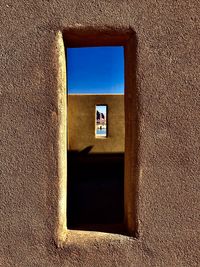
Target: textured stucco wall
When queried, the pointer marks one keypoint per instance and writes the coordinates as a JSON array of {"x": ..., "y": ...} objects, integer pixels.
[
  {"x": 81, "y": 123},
  {"x": 169, "y": 124}
]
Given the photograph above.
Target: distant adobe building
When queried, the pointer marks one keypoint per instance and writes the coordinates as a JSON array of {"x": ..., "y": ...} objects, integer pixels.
[{"x": 162, "y": 132}]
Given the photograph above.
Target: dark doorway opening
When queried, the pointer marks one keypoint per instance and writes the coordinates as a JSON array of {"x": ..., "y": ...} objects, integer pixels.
[{"x": 96, "y": 193}]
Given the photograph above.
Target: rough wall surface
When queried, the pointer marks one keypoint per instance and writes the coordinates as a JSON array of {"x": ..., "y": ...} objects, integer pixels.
[{"x": 169, "y": 125}]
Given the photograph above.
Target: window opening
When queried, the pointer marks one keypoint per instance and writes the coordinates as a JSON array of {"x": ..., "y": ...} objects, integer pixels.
[
  {"x": 101, "y": 121},
  {"x": 81, "y": 188},
  {"x": 96, "y": 161}
]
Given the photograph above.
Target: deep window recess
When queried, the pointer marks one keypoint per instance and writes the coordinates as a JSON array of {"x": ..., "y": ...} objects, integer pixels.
[{"x": 101, "y": 153}]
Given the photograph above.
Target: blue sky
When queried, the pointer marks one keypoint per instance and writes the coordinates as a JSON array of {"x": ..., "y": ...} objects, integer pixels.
[
  {"x": 101, "y": 109},
  {"x": 95, "y": 70}
]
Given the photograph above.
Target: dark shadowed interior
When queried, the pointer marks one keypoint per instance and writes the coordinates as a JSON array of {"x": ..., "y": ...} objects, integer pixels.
[{"x": 95, "y": 191}]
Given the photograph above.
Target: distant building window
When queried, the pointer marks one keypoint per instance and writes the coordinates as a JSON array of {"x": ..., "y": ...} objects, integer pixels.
[{"x": 101, "y": 121}]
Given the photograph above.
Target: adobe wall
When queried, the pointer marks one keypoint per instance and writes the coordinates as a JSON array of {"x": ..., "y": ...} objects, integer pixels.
[
  {"x": 81, "y": 123},
  {"x": 167, "y": 76}
]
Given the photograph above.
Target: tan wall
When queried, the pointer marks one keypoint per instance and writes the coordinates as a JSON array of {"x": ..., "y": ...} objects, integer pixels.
[
  {"x": 81, "y": 123},
  {"x": 167, "y": 84}
]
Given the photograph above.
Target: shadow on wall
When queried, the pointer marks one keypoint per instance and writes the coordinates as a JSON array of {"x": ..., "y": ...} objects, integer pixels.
[{"x": 95, "y": 191}]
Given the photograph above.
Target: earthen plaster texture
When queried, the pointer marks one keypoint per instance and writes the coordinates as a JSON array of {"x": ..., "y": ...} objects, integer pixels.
[{"x": 169, "y": 124}]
